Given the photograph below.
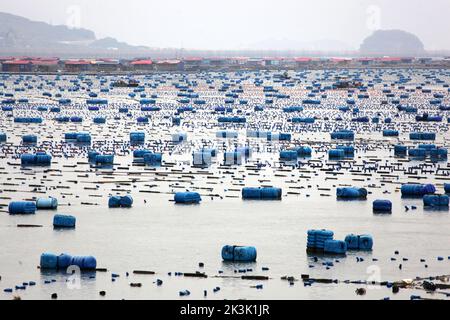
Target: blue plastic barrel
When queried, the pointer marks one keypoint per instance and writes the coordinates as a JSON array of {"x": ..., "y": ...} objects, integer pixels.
[
  {"x": 107, "y": 159},
  {"x": 49, "y": 261},
  {"x": 152, "y": 159},
  {"x": 417, "y": 190},
  {"x": 126, "y": 201},
  {"x": 435, "y": 200},
  {"x": 351, "y": 193},
  {"x": 400, "y": 150},
  {"x": 447, "y": 187},
  {"x": 64, "y": 261},
  {"x": 382, "y": 206},
  {"x": 239, "y": 253},
  {"x": 114, "y": 202},
  {"x": 47, "y": 203},
  {"x": 84, "y": 262},
  {"x": 22, "y": 207},
  {"x": 288, "y": 155},
  {"x": 29, "y": 138},
  {"x": 187, "y": 197},
  {"x": 261, "y": 193},
  {"x": 64, "y": 221},
  {"x": 352, "y": 242},
  {"x": 335, "y": 246},
  {"x": 365, "y": 242},
  {"x": 336, "y": 154},
  {"x": 303, "y": 151},
  {"x": 120, "y": 202}
]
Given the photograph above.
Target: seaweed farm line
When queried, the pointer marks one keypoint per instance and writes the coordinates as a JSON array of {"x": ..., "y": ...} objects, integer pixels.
[{"x": 252, "y": 125}]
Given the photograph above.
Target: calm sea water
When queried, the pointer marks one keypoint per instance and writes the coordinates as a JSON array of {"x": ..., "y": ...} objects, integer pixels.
[{"x": 160, "y": 236}]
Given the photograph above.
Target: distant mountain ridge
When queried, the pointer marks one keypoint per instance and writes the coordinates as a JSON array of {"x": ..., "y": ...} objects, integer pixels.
[
  {"x": 20, "y": 35},
  {"x": 16, "y": 31}
]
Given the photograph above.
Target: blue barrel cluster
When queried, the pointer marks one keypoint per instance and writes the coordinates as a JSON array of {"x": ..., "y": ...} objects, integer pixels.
[
  {"x": 349, "y": 151},
  {"x": 27, "y": 120},
  {"x": 400, "y": 150},
  {"x": 417, "y": 153},
  {"x": 311, "y": 101},
  {"x": 139, "y": 154},
  {"x": 149, "y": 109},
  {"x": 343, "y": 135},
  {"x": 3, "y": 137},
  {"x": 92, "y": 154},
  {"x": 359, "y": 242},
  {"x": 422, "y": 136},
  {"x": 335, "y": 247},
  {"x": 427, "y": 118},
  {"x": 351, "y": 193},
  {"x": 257, "y": 134},
  {"x": 292, "y": 109},
  {"x": 316, "y": 239},
  {"x": 246, "y": 151},
  {"x": 279, "y": 136},
  {"x": 104, "y": 159},
  {"x": 261, "y": 193},
  {"x": 147, "y": 101},
  {"x": 76, "y": 119},
  {"x": 232, "y": 119},
  {"x": 239, "y": 253},
  {"x": 303, "y": 151},
  {"x": 417, "y": 190},
  {"x": 231, "y": 158},
  {"x": 187, "y": 197},
  {"x": 447, "y": 187},
  {"x": 62, "y": 119},
  {"x": 436, "y": 200},
  {"x": 227, "y": 134},
  {"x": 97, "y": 101},
  {"x": 336, "y": 154},
  {"x": 202, "y": 158},
  {"x": 142, "y": 120},
  {"x": 99, "y": 120},
  {"x": 152, "y": 159},
  {"x": 50, "y": 261},
  {"x": 137, "y": 137},
  {"x": 64, "y": 221},
  {"x": 38, "y": 159},
  {"x": 29, "y": 138},
  {"x": 390, "y": 133},
  {"x": 185, "y": 109},
  {"x": 438, "y": 154},
  {"x": 64, "y": 101},
  {"x": 120, "y": 201},
  {"x": 288, "y": 155},
  {"x": 80, "y": 137},
  {"x": 303, "y": 120}
]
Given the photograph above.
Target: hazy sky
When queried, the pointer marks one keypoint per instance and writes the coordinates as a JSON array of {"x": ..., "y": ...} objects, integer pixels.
[{"x": 236, "y": 24}]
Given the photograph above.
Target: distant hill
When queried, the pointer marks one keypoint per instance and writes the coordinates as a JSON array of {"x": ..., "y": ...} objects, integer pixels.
[
  {"x": 21, "y": 36},
  {"x": 18, "y": 31},
  {"x": 392, "y": 43}
]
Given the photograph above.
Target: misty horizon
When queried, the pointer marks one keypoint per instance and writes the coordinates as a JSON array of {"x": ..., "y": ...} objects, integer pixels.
[{"x": 254, "y": 25}]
